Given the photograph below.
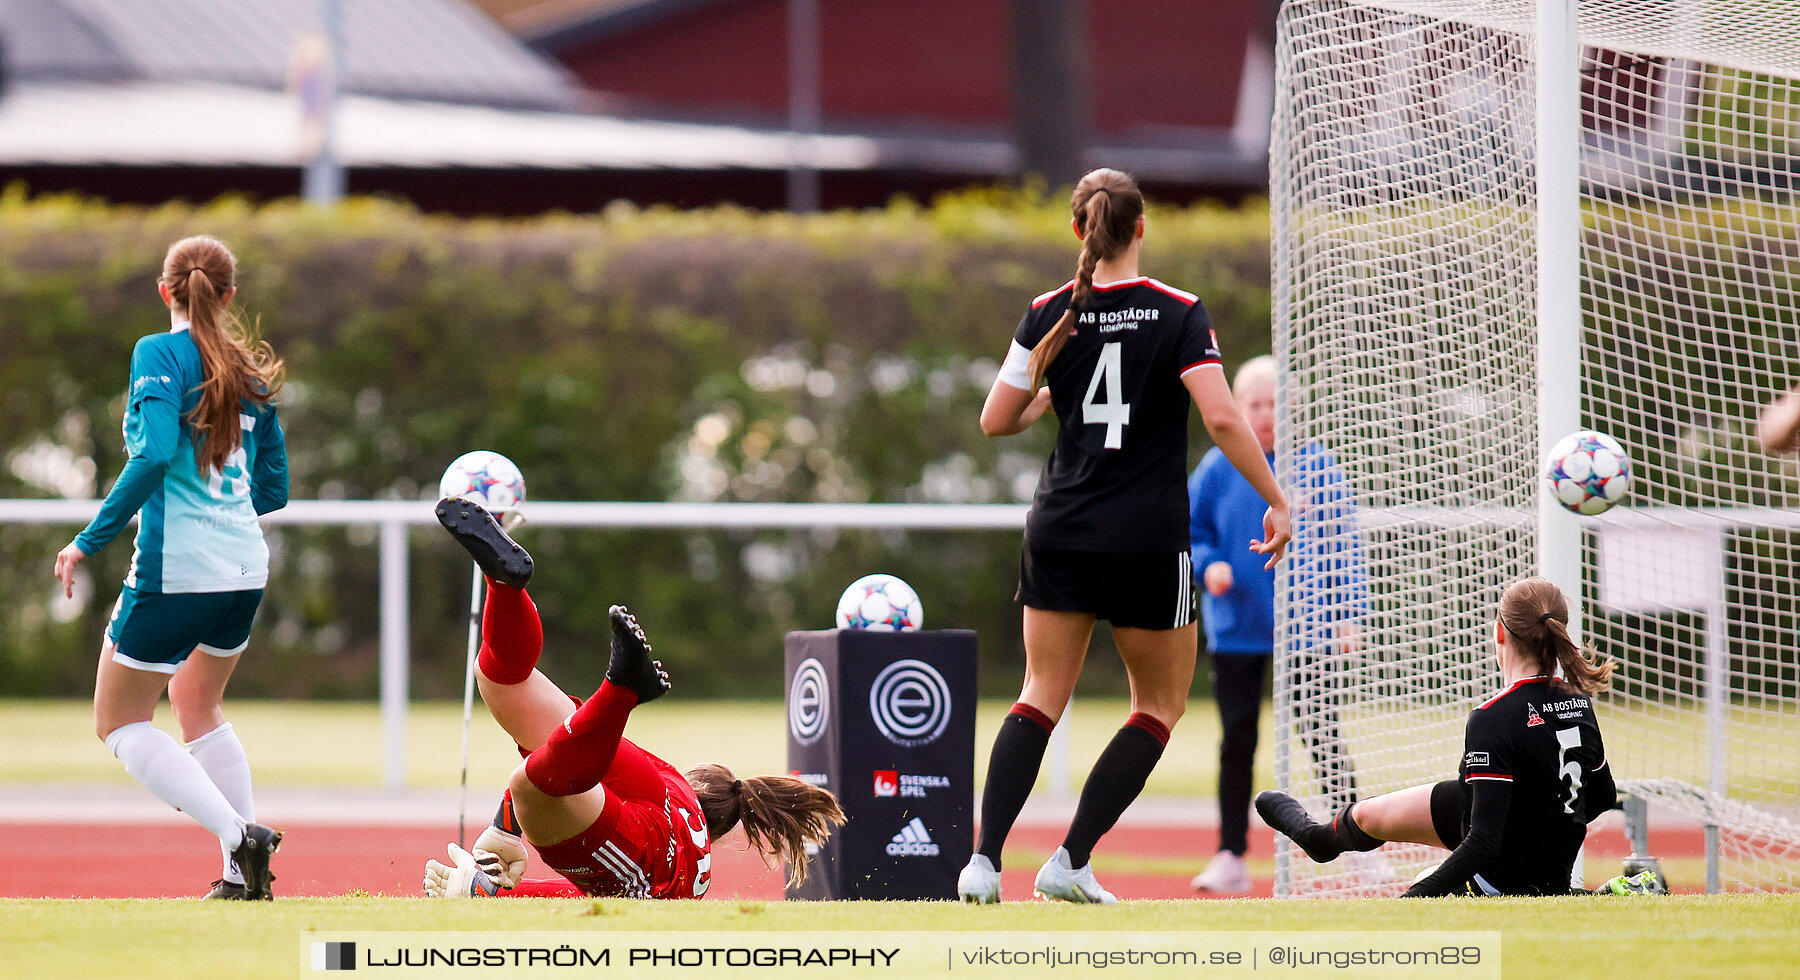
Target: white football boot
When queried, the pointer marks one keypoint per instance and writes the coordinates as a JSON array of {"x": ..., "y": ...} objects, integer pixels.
[
  {"x": 1057, "y": 880},
  {"x": 1226, "y": 874},
  {"x": 979, "y": 883}
]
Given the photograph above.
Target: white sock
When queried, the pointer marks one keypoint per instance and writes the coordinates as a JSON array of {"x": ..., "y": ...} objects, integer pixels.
[
  {"x": 154, "y": 758},
  {"x": 222, "y": 756}
]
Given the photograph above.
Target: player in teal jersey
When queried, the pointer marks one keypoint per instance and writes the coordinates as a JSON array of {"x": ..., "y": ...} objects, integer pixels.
[{"x": 206, "y": 459}]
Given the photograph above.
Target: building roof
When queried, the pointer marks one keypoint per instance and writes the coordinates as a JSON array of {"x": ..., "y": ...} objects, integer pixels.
[
  {"x": 126, "y": 124},
  {"x": 434, "y": 85},
  {"x": 439, "y": 50},
  {"x": 523, "y": 17},
  {"x": 604, "y": 19}
]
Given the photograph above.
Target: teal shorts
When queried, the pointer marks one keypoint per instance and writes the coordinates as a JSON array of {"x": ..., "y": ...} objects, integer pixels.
[{"x": 157, "y": 630}]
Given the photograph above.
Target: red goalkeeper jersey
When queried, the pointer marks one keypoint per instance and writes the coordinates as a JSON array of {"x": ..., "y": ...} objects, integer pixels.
[{"x": 650, "y": 840}]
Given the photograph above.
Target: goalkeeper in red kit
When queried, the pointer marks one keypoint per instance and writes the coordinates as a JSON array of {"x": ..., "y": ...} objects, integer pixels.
[{"x": 609, "y": 817}]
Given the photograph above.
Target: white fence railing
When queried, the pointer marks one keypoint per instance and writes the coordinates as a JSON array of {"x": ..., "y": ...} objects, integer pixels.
[{"x": 392, "y": 517}]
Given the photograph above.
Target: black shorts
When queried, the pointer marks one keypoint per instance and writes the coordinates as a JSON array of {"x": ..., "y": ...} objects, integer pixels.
[
  {"x": 1541, "y": 873},
  {"x": 1151, "y": 590},
  {"x": 1449, "y": 801}
]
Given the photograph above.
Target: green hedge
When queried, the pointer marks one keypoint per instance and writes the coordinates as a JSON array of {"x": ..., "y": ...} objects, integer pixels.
[{"x": 625, "y": 355}]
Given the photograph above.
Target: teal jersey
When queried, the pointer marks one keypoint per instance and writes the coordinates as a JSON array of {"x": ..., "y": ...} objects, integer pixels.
[{"x": 197, "y": 532}]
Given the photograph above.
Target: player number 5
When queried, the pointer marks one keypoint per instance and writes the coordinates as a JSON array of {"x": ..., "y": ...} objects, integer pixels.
[
  {"x": 1568, "y": 740},
  {"x": 1112, "y": 413}
]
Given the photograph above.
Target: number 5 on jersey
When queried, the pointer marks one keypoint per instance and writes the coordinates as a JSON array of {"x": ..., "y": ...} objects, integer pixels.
[
  {"x": 1568, "y": 740},
  {"x": 1112, "y": 413}
]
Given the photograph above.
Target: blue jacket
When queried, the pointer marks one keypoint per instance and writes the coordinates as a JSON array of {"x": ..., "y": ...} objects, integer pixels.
[
  {"x": 1224, "y": 516},
  {"x": 1326, "y": 583}
]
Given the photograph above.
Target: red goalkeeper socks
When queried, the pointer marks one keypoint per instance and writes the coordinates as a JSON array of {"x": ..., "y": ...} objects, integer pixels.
[
  {"x": 512, "y": 637},
  {"x": 579, "y": 751}
]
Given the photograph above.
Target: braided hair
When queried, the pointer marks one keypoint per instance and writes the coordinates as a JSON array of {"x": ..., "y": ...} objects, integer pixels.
[{"x": 1107, "y": 205}]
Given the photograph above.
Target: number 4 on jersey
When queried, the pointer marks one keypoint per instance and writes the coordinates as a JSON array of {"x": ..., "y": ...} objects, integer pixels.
[{"x": 1112, "y": 413}]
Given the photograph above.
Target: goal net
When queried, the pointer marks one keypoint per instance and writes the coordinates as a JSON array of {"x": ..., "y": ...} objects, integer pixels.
[{"x": 1406, "y": 248}]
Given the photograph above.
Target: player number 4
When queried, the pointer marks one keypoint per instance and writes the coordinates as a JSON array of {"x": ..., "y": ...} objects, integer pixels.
[{"x": 1112, "y": 413}]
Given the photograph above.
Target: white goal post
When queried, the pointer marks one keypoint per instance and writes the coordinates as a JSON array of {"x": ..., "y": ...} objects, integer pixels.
[{"x": 1495, "y": 222}]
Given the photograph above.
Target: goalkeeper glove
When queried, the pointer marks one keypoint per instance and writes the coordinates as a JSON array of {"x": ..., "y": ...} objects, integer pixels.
[
  {"x": 501, "y": 856},
  {"x": 1642, "y": 883},
  {"x": 460, "y": 879}
]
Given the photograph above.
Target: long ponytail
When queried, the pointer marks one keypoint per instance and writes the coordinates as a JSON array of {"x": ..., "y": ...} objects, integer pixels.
[
  {"x": 200, "y": 273},
  {"x": 1536, "y": 613},
  {"x": 780, "y": 814},
  {"x": 1108, "y": 204}
]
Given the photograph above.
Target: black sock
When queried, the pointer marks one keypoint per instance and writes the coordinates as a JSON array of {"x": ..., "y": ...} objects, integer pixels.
[
  {"x": 1289, "y": 818},
  {"x": 1319, "y": 842},
  {"x": 1348, "y": 835},
  {"x": 1117, "y": 779},
  {"x": 504, "y": 817},
  {"x": 1012, "y": 769}
]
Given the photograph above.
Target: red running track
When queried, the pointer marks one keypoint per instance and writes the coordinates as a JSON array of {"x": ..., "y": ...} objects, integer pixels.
[{"x": 174, "y": 860}]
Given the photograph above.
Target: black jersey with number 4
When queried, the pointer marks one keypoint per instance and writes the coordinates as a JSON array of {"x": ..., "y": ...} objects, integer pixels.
[
  {"x": 1117, "y": 479},
  {"x": 1540, "y": 738}
]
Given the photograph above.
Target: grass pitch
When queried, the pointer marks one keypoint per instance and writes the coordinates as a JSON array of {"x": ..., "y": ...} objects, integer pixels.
[
  {"x": 1681, "y": 936},
  {"x": 333, "y": 745}
]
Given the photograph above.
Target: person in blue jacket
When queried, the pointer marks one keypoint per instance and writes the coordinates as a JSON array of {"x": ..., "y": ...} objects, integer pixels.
[
  {"x": 1238, "y": 609},
  {"x": 206, "y": 458}
]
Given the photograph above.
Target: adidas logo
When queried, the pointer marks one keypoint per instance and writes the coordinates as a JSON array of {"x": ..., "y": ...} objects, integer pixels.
[{"x": 913, "y": 840}]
